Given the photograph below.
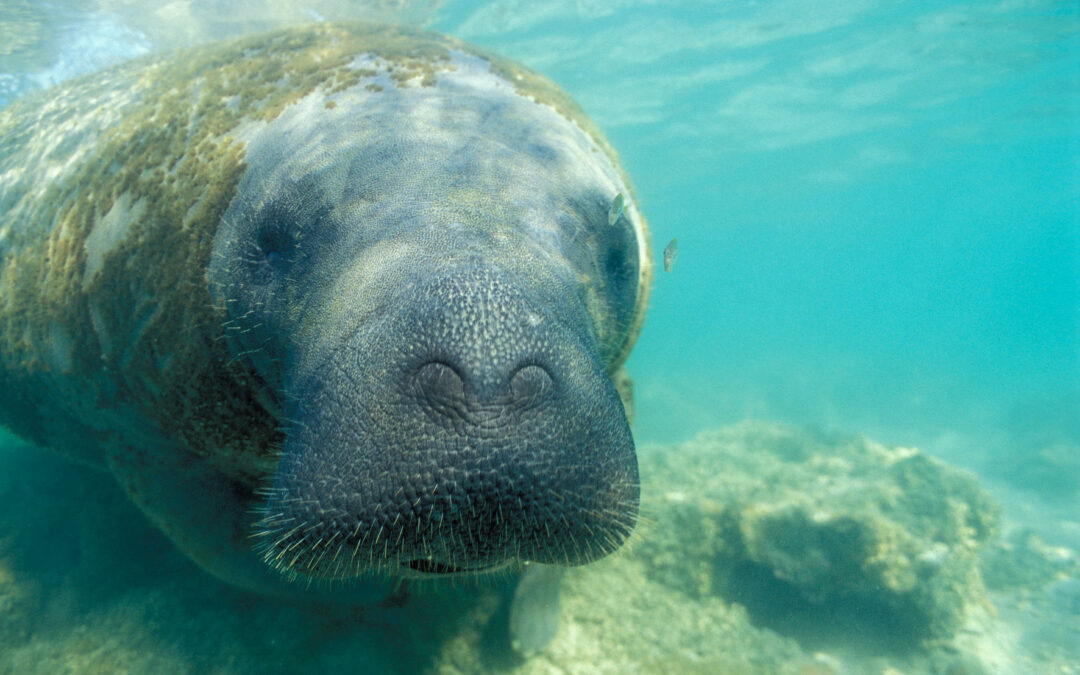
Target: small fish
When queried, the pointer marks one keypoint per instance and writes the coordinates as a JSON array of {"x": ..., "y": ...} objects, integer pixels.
[
  {"x": 671, "y": 251},
  {"x": 616, "y": 210}
]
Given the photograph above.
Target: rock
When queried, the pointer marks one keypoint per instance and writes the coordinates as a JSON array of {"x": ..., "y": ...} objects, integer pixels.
[{"x": 809, "y": 529}]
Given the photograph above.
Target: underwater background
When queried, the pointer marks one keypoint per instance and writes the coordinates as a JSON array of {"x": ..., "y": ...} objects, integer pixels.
[{"x": 877, "y": 207}]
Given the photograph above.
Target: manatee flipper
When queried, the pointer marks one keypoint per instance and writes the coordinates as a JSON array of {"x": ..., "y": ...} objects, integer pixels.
[
  {"x": 196, "y": 507},
  {"x": 208, "y": 515},
  {"x": 534, "y": 611}
]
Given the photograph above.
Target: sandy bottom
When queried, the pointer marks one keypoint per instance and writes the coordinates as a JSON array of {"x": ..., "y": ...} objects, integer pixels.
[{"x": 87, "y": 586}]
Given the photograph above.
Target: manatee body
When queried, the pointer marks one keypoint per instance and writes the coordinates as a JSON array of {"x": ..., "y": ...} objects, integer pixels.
[{"x": 333, "y": 303}]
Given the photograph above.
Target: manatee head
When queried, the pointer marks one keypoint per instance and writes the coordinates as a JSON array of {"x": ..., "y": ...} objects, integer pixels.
[{"x": 432, "y": 284}]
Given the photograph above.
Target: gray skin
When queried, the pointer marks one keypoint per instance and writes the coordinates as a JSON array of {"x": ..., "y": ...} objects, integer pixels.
[{"x": 426, "y": 291}]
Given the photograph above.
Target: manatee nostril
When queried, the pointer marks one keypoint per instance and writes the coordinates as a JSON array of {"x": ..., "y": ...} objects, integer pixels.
[
  {"x": 442, "y": 389},
  {"x": 530, "y": 385},
  {"x": 440, "y": 386}
]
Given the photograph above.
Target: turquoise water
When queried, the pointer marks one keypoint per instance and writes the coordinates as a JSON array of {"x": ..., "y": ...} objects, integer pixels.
[{"x": 877, "y": 206}]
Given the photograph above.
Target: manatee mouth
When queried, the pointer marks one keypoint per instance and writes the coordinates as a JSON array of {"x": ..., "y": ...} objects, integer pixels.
[{"x": 435, "y": 568}]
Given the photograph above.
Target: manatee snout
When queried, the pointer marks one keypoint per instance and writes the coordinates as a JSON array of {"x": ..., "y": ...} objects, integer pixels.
[{"x": 471, "y": 427}]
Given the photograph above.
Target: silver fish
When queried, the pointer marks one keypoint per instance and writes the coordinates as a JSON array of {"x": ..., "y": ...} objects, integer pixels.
[
  {"x": 671, "y": 251},
  {"x": 616, "y": 210}
]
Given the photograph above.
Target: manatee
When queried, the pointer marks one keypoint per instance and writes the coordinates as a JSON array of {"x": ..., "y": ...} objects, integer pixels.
[{"x": 338, "y": 306}]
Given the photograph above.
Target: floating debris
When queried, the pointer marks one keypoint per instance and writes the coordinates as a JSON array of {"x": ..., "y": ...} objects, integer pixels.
[
  {"x": 671, "y": 251},
  {"x": 616, "y": 210}
]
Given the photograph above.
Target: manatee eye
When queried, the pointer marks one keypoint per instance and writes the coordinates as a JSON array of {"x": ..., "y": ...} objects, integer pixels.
[
  {"x": 273, "y": 251},
  {"x": 619, "y": 269},
  {"x": 619, "y": 263},
  {"x": 274, "y": 240}
]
